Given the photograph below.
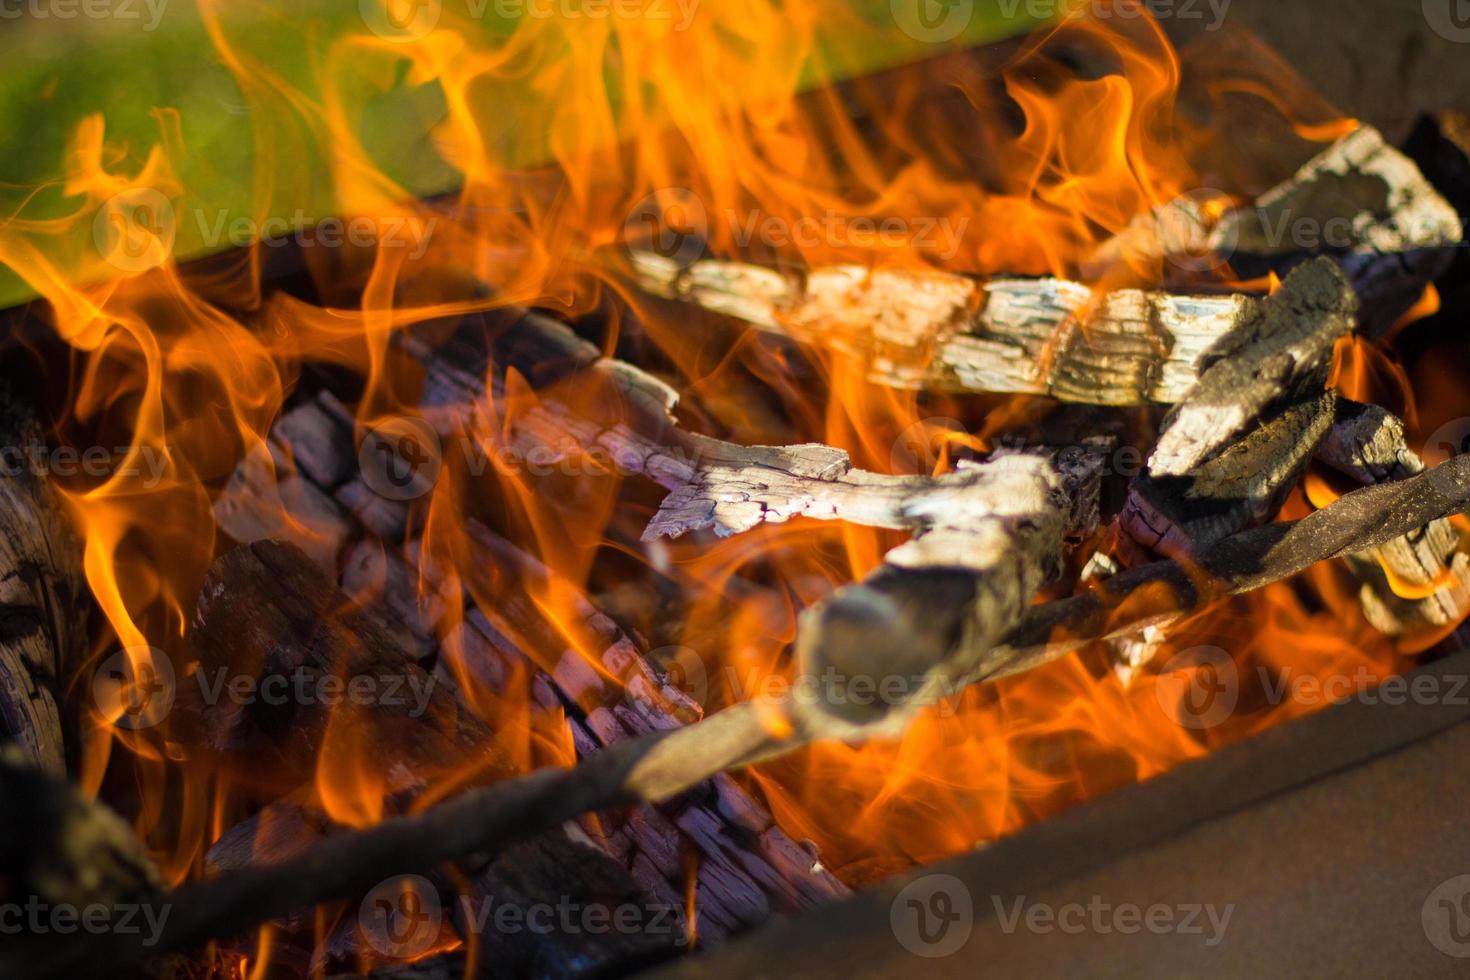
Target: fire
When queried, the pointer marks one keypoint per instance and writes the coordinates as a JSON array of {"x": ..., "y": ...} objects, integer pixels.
[{"x": 569, "y": 139}]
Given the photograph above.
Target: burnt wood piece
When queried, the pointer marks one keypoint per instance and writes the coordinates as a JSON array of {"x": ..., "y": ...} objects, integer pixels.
[
  {"x": 553, "y": 907},
  {"x": 43, "y": 594},
  {"x": 660, "y": 766},
  {"x": 266, "y": 613},
  {"x": 1418, "y": 581},
  {"x": 945, "y": 332},
  {"x": 1243, "y": 485},
  {"x": 1240, "y": 438},
  {"x": 1360, "y": 200},
  {"x": 1280, "y": 354},
  {"x": 411, "y": 592},
  {"x": 1164, "y": 591}
]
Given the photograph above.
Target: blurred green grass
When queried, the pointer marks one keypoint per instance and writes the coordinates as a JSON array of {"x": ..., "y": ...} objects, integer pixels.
[{"x": 59, "y": 71}]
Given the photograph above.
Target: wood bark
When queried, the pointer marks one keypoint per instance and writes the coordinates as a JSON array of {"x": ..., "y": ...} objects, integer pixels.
[{"x": 43, "y": 594}]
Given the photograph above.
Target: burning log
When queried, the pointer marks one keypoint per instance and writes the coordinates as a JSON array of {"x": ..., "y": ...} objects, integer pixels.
[
  {"x": 946, "y": 332},
  {"x": 1417, "y": 581},
  {"x": 44, "y": 596},
  {"x": 1243, "y": 434},
  {"x": 1360, "y": 200}
]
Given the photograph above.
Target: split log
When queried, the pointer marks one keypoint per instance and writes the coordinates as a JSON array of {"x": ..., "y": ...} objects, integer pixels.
[
  {"x": 43, "y": 594},
  {"x": 939, "y": 331},
  {"x": 1360, "y": 200},
  {"x": 1280, "y": 353},
  {"x": 268, "y": 617},
  {"x": 1243, "y": 434},
  {"x": 1243, "y": 485},
  {"x": 1421, "y": 580},
  {"x": 583, "y": 914}
]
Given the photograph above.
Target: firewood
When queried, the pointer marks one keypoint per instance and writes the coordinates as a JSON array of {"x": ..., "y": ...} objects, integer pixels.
[
  {"x": 266, "y": 614},
  {"x": 660, "y": 766},
  {"x": 44, "y": 596},
  {"x": 1360, "y": 200},
  {"x": 957, "y": 587},
  {"x": 945, "y": 332},
  {"x": 1367, "y": 444},
  {"x": 1279, "y": 354},
  {"x": 1360, "y": 521},
  {"x": 1243, "y": 485},
  {"x": 588, "y": 915},
  {"x": 1242, "y": 435}
]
